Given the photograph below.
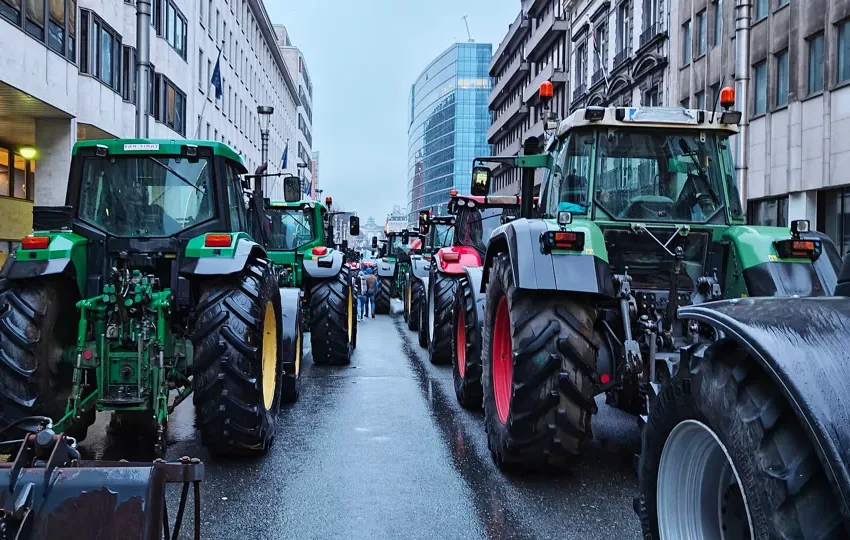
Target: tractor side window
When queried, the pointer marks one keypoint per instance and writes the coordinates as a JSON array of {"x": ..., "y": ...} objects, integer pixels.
[
  {"x": 474, "y": 227},
  {"x": 238, "y": 216},
  {"x": 568, "y": 182}
]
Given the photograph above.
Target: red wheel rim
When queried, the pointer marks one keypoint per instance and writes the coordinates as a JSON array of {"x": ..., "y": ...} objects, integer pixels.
[
  {"x": 461, "y": 345},
  {"x": 503, "y": 368}
]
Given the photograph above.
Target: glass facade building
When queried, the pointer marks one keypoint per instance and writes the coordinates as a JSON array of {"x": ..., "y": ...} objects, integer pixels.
[{"x": 448, "y": 125}]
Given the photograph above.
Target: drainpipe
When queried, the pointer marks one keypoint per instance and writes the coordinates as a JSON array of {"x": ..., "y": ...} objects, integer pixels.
[
  {"x": 143, "y": 40},
  {"x": 743, "y": 17}
]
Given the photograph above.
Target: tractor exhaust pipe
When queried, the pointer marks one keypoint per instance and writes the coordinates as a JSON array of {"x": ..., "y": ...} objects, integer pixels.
[
  {"x": 530, "y": 147},
  {"x": 743, "y": 19},
  {"x": 143, "y": 57}
]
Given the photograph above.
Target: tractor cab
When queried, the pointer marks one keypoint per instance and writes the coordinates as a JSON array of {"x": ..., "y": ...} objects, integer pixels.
[{"x": 293, "y": 230}]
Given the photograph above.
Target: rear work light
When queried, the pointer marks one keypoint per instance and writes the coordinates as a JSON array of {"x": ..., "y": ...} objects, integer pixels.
[
  {"x": 571, "y": 241},
  {"x": 451, "y": 256},
  {"x": 799, "y": 249},
  {"x": 217, "y": 241},
  {"x": 35, "y": 242},
  {"x": 320, "y": 250}
]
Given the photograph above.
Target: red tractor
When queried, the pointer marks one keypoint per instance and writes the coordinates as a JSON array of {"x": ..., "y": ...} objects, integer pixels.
[{"x": 475, "y": 219}]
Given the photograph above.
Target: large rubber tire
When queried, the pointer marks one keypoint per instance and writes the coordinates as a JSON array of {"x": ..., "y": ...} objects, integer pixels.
[
  {"x": 414, "y": 295},
  {"x": 33, "y": 379},
  {"x": 229, "y": 339},
  {"x": 290, "y": 379},
  {"x": 549, "y": 355},
  {"x": 332, "y": 320},
  {"x": 466, "y": 348},
  {"x": 782, "y": 479},
  {"x": 382, "y": 297},
  {"x": 423, "y": 319},
  {"x": 440, "y": 298}
]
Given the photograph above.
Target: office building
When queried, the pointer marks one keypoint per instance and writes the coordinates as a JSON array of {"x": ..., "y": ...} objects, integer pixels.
[
  {"x": 301, "y": 146},
  {"x": 535, "y": 49},
  {"x": 397, "y": 220},
  {"x": 447, "y": 129},
  {"x": 69, "y": 74},
  {"x": 314, "y": 174}
]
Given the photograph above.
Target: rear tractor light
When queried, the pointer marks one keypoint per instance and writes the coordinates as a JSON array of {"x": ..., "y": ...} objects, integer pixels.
[
  {"x": 320, "y": 251},
  {"x": 451, "y": 256},
  {"x": 35, "y": 242},
  {"x": 799, "y": 249},
  {"x": 217, "y": 240},
  {"x": 570, "y": 241}
]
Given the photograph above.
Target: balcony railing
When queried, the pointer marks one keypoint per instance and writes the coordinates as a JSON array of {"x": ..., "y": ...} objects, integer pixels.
[
  {"x": 597, "y": 77},
  {"x": 507, "y": 81},
  {"x": 579, "y": 92},
  {"x": 651, "y": 31},
  {"x": 621, "y": 57}
]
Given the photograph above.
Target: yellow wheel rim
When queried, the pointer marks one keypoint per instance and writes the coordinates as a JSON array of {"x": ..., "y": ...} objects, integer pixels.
[
  {"x": 409, "y": 296},
  {"x": 269, "y": 356},
  {"x": 298, "y": 354},
  {"x": 350, "y": 315}
]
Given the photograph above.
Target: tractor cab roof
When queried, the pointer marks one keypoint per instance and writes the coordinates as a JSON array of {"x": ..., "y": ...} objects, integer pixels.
[
  {"x": 165, "y": 147},
  {"x": 296, "y": 204},
  {"x": 646, "y": 117}
]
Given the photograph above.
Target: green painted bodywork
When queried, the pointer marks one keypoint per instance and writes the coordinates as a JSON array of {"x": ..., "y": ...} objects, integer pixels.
[
  {"x": 290, "y": 261},
  {"x": 196, "y": 247},
  {"x": 166, "y": 147},
  {"x": 63, "y": 245}
]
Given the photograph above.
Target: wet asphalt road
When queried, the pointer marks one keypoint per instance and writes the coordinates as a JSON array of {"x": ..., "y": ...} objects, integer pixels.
[{"x": 380, "y": 449}]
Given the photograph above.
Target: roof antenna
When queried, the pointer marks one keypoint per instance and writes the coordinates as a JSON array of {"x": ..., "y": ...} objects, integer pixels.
[{"x": 467, "y": 30}]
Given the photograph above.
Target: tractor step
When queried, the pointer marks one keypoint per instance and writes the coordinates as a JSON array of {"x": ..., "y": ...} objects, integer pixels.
[{"x": 121, "y": 403}]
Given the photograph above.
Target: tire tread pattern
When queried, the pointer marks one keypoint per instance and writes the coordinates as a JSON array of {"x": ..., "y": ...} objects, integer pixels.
[
  {"x": 329, "y": 319},
  {"x": 467, "y": 388}
]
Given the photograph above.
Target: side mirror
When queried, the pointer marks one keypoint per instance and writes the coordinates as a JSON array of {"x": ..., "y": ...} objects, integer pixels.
[
  {"x": 374, "y": 242},
  {"x": 291, "y": 189},
  {"x": 424, "y": 221},
  {"x": 405, "y": 238},
  {"x": 354, "y": 226},
  {"x": 480, "y": 181}
]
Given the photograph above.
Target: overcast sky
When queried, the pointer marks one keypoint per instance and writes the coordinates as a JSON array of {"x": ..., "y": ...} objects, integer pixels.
[{"x": 362, "y": 57}]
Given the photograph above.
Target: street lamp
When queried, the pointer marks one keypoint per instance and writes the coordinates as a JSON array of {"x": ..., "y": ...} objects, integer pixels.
[{"x": 265, "y": 112}]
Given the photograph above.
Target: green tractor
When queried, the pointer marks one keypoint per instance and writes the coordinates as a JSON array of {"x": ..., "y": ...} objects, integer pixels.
[
  {"x": 639, "y": 278},
  {"x": 144, "y": 289},
  {"x": 393, "y": 266},
  {"x": 435, "y": 232},
  {"x": 298, "y": 245}
]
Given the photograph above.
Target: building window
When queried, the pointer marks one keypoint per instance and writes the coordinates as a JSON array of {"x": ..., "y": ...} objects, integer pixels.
[
  {"x": 16, "y": 175},
  {"x": 102, "y": 45},
  {"x": 128, "y": 73},
  {"x": 702, "y": 24},
  {"x": 52, "y": 22},
  {"x": 651, "y": 97},
  {"x": 715, "y": 96},
  {"x": 844, "y": 51},
  {"x": 624, "y": 34},
  {"x": 208, "y": 83},
  {"x": 718, "y": 23},
  {"x": 175, "y": 107},
  {"x": 700, "y": 99},
  {"x": 780, "y": 3},
  {"x": 759, "y": 88},
  {"x": 760, "y": 10},
  {"x": 56, "y": 25},
  {"x": 686, "y": 43},
  {"x": 201, "y": 70},
  {"x": 175, "y": 29},
  {"x": 11, "y": 11},
  {"x": 768, "y": 212},
  {"x": 834, "y": 217},
  {"x": 156, "y": 15},
  {"x": 815, "y": 64},
  {"x": 782, "y": 78}
]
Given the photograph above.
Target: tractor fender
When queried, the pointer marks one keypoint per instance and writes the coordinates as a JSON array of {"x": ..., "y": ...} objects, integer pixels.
[
  {"x": 802, "y": 344},
  {"x": 419, "y": 268},
  {"x": 533, "y": 269},
  {"x": 290, "y": 309},
  {"x": 222, "y": 265},
  {"x": 386, "y": 268},
  {"x": 65, "y": 256},
  {"x": 466, "y": 256},
  {"x": 475, "y": 274},
  {"x": 323, "y": 267}
]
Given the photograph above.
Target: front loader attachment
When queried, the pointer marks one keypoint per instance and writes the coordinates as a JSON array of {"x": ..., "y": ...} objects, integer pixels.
[{"x": 804, "y": 345}]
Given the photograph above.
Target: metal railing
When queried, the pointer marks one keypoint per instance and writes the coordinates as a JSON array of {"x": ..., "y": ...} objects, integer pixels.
[
  {"x": 651, "y": 31},
  {"x": 597, "y": 77},
  {"x": 579, "y": 92},
  {"x": 622, "y": 56}
]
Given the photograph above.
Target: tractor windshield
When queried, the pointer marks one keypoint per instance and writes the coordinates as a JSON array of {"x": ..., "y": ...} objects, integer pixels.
[
  {"x": 442, "y": 235},
  {"x": 145, "y": 196},
  {"x": 397, "y": 248},
  {"x": 290, "y": 229},
  {"x": 474, "y": 226},
  {"x": 648, "y": 175}
]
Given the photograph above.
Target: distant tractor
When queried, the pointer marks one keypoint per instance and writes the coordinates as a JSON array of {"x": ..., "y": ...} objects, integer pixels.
[
  {"x": 392, "y": 269},
  {"x": 298, "y": 246},
  {"x": 640, "y": 279},
  {"x": 434, "y": 233},
  {"x": 147, "y": 282}
]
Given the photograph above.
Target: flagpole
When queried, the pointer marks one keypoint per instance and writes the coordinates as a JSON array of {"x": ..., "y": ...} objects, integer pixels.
[
  {"x": 204, "y": 106},
  {"x": 601, "y": 62}
]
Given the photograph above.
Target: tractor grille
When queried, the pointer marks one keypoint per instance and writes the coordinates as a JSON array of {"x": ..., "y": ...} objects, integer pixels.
[{"x": 649, "y": 264}]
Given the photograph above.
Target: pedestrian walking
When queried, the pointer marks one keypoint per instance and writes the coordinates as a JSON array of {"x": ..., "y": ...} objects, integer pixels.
[
  {"x": 372, "y": 285},
  {"x": 360, "y": 285}
]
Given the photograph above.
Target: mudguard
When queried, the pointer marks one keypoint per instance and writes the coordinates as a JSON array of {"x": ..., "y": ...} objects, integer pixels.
[
  {"x": 224, "y": 264},
  {"x": 65, "y": 255},
  {"x": 533, "y": 269},
  {"x": 467, "y": 256},
  {"x": 843, "y": 286},
  {"x": 419, "y": 268},
  {"x": 386, "y": 268},
  {"x": 290, "y": 309},
  {"x": 475, "y": 275},
  {"x": 803, "y": 344},
  {"x": 323, "y": 267}
]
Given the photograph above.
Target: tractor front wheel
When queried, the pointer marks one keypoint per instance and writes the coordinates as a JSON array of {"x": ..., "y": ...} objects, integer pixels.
[
  {"x": 538, "y": 357},
  {"x": 466, "y": 348},
  {"x": 382, "y": 297},
  {"x": 440, "y": 298},
  {"x": 423, "y": 319},
  {"x": 237, "y": 367},
  {"x": 725, "y": 456},
  {"x": 333, "y": 319},
  {"x": 414, "y": 301},
  {"x": 34, "y": 330}
]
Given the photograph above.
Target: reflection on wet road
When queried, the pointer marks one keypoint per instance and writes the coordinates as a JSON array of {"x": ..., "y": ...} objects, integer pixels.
[{"x": 380, "y": 449}]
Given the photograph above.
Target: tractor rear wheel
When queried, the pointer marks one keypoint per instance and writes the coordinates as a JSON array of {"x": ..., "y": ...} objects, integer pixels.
[
  {"x": 290, "y": 379},
  {"x": 333, "y": 319},
  {"x": 440, "y": 298},
  {"x": 466, "y": 348},
  {"x": 414, "y": 301},
  {"x": 33, "y": 379},
  {"x": 237, "y": 367},
  {"x": 724, "y": 455},
  {"x": 538, "y": 356},
  {"x": 382, "y": 297},
  {"x": 423, "y": 319}
]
